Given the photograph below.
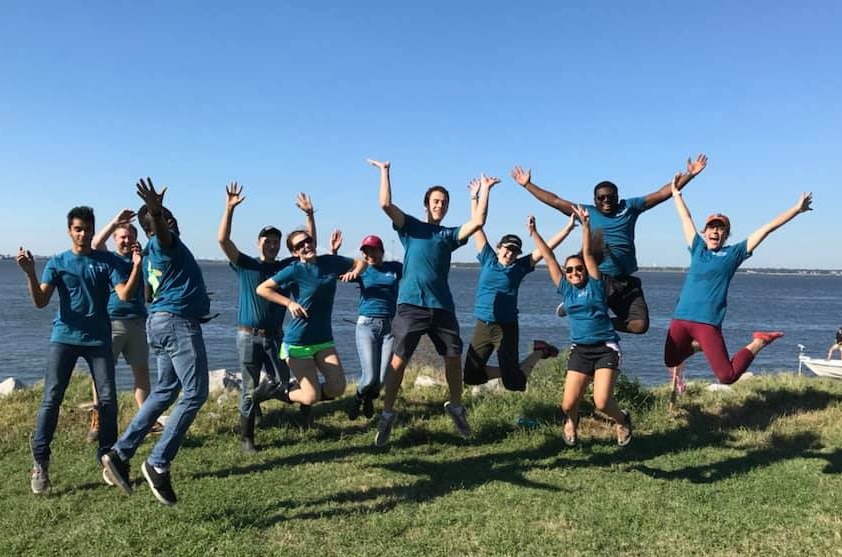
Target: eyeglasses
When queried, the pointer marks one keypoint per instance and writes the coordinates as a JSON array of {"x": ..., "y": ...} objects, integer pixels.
[
  {"x": 606, "y": 197},
  {"x": 577, "y": 268},
  {"x": 300, "y": 244}
]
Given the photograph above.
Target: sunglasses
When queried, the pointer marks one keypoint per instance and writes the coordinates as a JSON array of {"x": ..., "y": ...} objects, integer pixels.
[
  {"x": 606, "y": 197},
  {"x": 300, "y": 244},
  {"x": 577, "y": 268}
]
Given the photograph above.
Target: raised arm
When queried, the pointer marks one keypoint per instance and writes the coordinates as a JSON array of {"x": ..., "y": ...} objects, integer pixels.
[
  {"x": 393, "y": 211},
  {"x": 269, "y": 289},
  {"x": 760, "y": 234},
  {"x": 591, "y": 264},
  {"x": 39, "y": 292},
  {"x": 478, "y": 215},
  {"x": 125, "y": 290},
  {"x": 303, "y": 202},
  {"x": 524, "y": 178},
  {"x": 545, "y": 251},
  {"x": 665, "y": 191},
  {"x": 479, "y": 236},
  {"x": 155, "y": 205},
  {"x": 123, "y": 217},
  {"x": 234, "y": 197},
  {"x": 556, "y": 240},
  {"x": 335, "y": 241},
  {"x": 687, "y": 225}
]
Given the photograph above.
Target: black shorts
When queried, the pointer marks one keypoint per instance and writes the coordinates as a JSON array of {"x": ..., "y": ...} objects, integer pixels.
[
  {"x": 411, "y": 322},
  {"x": 488, "y": 337},
  {"x": 587, "y": 358},
  {"x": 624, "y": 296}
]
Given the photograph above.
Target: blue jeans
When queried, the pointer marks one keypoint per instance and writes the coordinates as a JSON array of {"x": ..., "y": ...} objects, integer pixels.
[
  {"x": 374, "y": 345},
  {"x": 182, "y": 365},
  {"x": 60, "y": 363},
  {"x": 256, "y": 353}
]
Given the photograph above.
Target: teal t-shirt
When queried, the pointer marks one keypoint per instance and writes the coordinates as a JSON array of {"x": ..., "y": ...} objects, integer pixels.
[
  {"x": 252, "y": 310},
  {"x": 618, "y": 232},
  {"x": 704, "y": 296},
  {"x": 313, "y": 285},
  {"x": 178, "y": 286},
  {"x": 496, "y": 298},
  {"x": 426, "y": 263},
  {"x": 587, "y": 313},
  {"x": 379, "y": 289},
  {"x": 136, "y": 306},
  {"x": 83, "y": 283}
]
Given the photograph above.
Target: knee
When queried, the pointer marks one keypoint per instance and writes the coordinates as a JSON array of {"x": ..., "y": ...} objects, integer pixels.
[
  {"x": 638, "y": 326},
  {"x": 602, "y": 401},
  {"x": 334, "y": 389},
  {"x": 569, "y": 405}
]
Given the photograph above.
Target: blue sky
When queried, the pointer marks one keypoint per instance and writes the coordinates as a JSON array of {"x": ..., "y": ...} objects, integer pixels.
[{"x": 288, "y": 98}]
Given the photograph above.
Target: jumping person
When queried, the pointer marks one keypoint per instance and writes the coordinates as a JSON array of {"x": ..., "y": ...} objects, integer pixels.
[
  {"x": 697, "y": 320},
  {"x": 378, "y": 300},
  {"x": 180, "y": 305},
  {"x": 595, "y": 349},
  {"x": 81, "y": 329},
  {"x": 425, "y": 304},
  {"x": 308, "y": 337},
  {"x": 259, "y": 322},
  {"x": 496, "y": 328},
  {"x": 617, "y": 219}
]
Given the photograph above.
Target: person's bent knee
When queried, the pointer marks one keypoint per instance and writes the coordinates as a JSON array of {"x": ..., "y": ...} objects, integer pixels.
[
  {"x": 637, "y": 327},
  {"x": 602, "y": 402},
  {"x": 334, "y": 389}
]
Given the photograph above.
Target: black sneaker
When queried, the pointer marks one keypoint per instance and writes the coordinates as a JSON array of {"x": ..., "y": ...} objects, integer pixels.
[
  {"x": 368, "y": 407},
  {"x": 355, "y": 408},
  {"x": 118, "y": 471},
  {"x": 160, "y": 484}
]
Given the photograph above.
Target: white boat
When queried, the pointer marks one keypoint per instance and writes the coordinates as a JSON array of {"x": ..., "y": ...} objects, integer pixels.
[{"x": 819, "y": 366}]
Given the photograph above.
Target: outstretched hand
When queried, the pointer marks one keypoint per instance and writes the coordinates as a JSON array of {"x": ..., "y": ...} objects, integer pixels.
[
  {"x": 571, "y": 222},
  {"x": 521, "y": 176},
  {"x": 137, "y": 254},
  {"x": 582, "y": 214},
  {"x": 805, "y": 203},
  {"x": 674, "y": 184},
  {"x": 25, "y": 261},
  {"x": 125, "y": 216},
  {"x": 381, "y": 165},
  {"x": 335, "y": 241},
  {"x": 695, "y": 167},
  {"x": 154, "y": 200},
  {"x": 473, "y": 187},
  {"x": 488, "y": 181},
  {"x": 530, "y": 225},
  {"x": 234, "y": 195},
  {"x": 303, "y": 202}
]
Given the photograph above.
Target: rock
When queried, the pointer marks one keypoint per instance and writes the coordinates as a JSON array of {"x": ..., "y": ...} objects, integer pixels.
[
  {"x": 493, "y": 386},
  {"x": 426, "y": 381},
  {"x": 718, "y": 387},
  {"x": 9, "y": 385}
]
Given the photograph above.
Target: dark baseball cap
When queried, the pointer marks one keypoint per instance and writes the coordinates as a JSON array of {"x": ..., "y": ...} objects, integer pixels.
[
  {"x": 269, "y": 231},
  {"x": 512, "y": 242}
]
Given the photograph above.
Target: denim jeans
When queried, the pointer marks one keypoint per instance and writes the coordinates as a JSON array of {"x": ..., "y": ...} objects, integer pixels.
[
  {"x": 60, "y": 363},
  {"x": 179, "y": 348},
  {"x": 374, "y": 345},
  {"x": 256, "y": 353}
]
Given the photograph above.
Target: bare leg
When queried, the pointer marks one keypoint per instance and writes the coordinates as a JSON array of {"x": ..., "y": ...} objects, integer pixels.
[
  {"x": 141, "y": 384},
  {"x": 328, "y": 363},
  {"x": 603, "y": 394},
  {"x": 306, "y": 373},
  {"x": 394, "y": 378},
  {"x": 574, "y": 389}
]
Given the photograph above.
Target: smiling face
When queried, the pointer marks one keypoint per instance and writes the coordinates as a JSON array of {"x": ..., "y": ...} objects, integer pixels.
[
  {"x": 715, "y": 234},
  {"x": 302, "y": 246},
  {"x": 124, "y": 238},
  {"x": 269, "y": 246},
  {"x": 574, "y": 271},
  {"x": 373, "y": 256},
  {"x": 507, "y": 255},
  {"x": 436, "y": 203},
  {"x": 81, "y": 234},
  {"x": 605, "y": 197}
]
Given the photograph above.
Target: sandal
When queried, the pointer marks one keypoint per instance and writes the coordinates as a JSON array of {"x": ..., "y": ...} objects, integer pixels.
[{"x": 569, "y": 440}]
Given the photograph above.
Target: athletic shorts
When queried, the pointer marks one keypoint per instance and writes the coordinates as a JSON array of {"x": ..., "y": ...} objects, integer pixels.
[
  {"x": 624, "y": 296},
  {"x": 411, "y": 322},
  {"x": 128, "y": 337},
  {"x": 488, "y": 337},
  {"x": 303, "y": 352},
  {"x": 587, "y": 358}
]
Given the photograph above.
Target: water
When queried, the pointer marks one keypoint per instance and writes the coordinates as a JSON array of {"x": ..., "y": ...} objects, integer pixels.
[{"x": 807, "y": 308}]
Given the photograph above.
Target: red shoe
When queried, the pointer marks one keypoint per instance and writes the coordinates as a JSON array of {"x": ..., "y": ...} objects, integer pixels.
[
  {"x": 767, "y": 336},
  {"x": 546, "y": 349}
]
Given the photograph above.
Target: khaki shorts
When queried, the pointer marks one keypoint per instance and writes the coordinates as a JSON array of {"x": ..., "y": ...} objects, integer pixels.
[{"x": 128, "y": 337}]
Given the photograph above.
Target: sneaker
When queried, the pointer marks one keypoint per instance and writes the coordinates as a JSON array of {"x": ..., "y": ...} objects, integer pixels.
[
  {"x": 460, "y": 419},
  {"x": 355, "y": 408},
  {"x": 281, "y": 392},
  {"x": 105, "y": 477},
  {"x": 624, "y": 430},
  {"x": 560, "y": 311},
  {"x": 93, "y": 431},
  {"x": 40, "y": 482},
  {"x": 384, "y": 429},
  {"x": 117, "y": 471},
  {"x": 368, "y": 408},
  {"x": 767, "y": 336},
  {"x": 160, "y": 484},
  {"x": 546, "y": 349}
]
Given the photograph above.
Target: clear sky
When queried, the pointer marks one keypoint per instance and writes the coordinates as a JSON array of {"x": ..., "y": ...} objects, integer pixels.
[{"x": 294, "y": 96}]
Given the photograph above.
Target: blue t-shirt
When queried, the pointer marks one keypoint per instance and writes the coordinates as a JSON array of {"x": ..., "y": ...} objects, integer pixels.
[
  {"x": 379, "y": 289},
  {"x": 587, "y": 312},
  {"x": 136, "y": 306},
  {"x": 252, "y": 310},
  {"x": 496, "y": 299},
  {"x": 177, "y": 283},
  {"x": 704, "y": 296},
  {"x": 313, "y": 285},
  {"x": 618, "y": 232},
  {"x": 426, "y": 263},
  {"x": 83, "y": 283}
]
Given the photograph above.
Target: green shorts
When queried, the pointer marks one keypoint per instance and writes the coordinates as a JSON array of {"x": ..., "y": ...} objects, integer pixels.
[{"x": 303, "y": 352}]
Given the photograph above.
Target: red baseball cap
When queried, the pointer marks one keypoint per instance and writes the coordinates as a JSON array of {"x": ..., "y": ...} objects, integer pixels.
[
  {"x": 718, "y": 217},
  {"x": 372, "y": 241}
]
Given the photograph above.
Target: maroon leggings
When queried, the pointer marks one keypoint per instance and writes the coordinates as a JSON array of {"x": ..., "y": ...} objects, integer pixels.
[{"x": 679, "y": 347}]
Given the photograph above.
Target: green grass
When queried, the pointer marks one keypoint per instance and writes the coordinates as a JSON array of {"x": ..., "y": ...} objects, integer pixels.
[{"x": 753, "y": 471}]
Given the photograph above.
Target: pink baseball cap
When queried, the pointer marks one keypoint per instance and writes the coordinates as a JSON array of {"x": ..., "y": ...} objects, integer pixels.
[{"x": 372, "y": 241}]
